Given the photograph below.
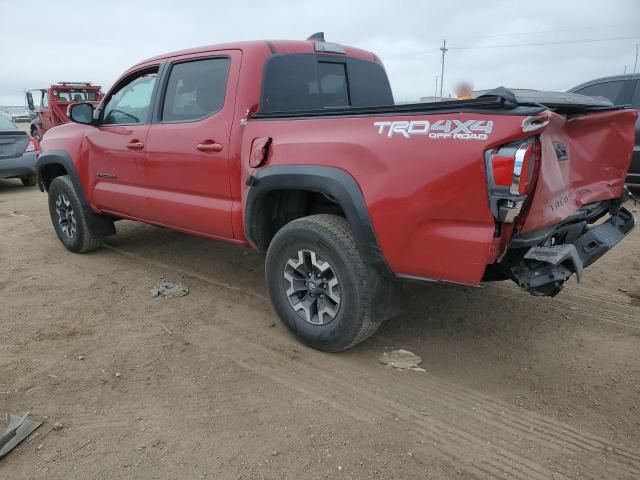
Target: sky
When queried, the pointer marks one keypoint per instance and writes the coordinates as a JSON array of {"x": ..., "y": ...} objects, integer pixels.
[{"x": 547, "y": 45}]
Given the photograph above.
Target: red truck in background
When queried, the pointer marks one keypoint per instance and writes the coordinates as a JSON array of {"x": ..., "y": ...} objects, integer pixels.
[
  {"x": 297, "y": 149},
  {"x": 49, "y": 107}
]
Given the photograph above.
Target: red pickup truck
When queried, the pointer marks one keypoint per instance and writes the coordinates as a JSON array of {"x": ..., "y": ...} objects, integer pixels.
[{"x": 297, "y": 149}]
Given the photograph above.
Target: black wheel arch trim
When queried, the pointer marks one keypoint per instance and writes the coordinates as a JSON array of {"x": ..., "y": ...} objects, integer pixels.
[
  {"x": 333, "y": 182},
  {"x": 100, "y": 225}
]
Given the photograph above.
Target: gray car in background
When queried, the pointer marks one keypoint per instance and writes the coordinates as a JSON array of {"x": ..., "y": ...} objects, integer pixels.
[
  {"x": 621, "y": 90},
  {"x": 18, "y": 153}
]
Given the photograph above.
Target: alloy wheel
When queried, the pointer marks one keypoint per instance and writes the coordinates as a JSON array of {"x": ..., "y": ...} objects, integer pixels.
[
  {"x": 66, "y": 216},
  {"x": 312, "y": 287}
]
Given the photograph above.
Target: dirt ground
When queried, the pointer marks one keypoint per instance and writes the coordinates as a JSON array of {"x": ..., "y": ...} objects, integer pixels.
[{"x": 210, "y": 385}]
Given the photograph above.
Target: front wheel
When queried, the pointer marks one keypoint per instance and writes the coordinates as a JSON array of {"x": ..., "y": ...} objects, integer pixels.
[
  {"x": 319, "y": 284},
  {"x": 69, "y": 217}
]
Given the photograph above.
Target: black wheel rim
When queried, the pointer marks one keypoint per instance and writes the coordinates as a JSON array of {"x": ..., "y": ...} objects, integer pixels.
[
  {"x": 66, "y": 216},
  {"x": 312, "y": 287}
]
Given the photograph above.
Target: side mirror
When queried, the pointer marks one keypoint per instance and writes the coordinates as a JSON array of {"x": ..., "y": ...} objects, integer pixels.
[
  {"x": 30, "y": 101},
  {"x": 81, "y": 113}
]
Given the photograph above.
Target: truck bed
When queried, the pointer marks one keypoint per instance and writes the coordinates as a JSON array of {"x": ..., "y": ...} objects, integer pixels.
[{"x": 493, "y": 101}]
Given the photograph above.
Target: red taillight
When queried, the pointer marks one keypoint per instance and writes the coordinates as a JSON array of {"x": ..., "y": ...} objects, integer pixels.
[
  {"x": 511, "y": 175},
  {"x": 33, "y": 145},
  {"x": 502, "y": 166},
  {"x": 513, "y": 166},
  {"x": 525, "y": 158}
]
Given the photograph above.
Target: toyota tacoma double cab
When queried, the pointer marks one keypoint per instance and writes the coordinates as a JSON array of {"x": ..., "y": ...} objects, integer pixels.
[{"x": 297, "y": 149}]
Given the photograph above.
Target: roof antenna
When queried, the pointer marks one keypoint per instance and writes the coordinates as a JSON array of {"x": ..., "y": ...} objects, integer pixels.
[{"x": 319, "y": 37}]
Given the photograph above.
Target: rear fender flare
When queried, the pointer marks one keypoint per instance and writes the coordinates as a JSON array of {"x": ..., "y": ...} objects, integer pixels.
[{"x": 333, "y": 182}]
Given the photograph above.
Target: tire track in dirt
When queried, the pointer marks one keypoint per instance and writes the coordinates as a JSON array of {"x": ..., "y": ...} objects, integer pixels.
[
  {"x": 569, "y": 302},
  {"x": 503, "y": 450},
  {"x": 486, "y": 436},
  {"x": 506, "y": 442}
]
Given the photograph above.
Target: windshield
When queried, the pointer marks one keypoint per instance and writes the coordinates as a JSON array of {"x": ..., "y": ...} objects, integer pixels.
[{"x": 76, "y": 96}]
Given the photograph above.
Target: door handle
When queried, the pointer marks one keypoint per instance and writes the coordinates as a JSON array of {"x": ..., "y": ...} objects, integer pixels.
[
  {"x": 209, "y": 146},
  {"x": 135, "y": 145}
]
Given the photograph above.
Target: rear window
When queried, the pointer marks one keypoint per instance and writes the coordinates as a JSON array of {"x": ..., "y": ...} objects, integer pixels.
[
  {"x": 6, "y": 124},
  {"x": 610, "y": 90},
  {"x": 635, "y": 100},
  {"x": 309, "y": 82},
  {"x": 76, "y": 96}
]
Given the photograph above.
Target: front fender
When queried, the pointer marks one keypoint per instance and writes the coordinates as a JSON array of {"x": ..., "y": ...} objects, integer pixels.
[{"x": 54, "y": 163}]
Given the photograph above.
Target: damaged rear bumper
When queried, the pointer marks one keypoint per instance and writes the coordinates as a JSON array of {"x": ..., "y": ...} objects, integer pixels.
[{"x": 542, "y": 269}]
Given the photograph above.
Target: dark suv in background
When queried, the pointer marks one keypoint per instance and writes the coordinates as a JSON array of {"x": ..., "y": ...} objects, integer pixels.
[{"x": 621, "y": 90}]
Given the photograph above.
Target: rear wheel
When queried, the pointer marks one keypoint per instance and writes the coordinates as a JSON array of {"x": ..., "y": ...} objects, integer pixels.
[
  {"x": 69, "y": 218},
  {"x": 319, "y": 284},
  {"x": 28, "y": 180}
]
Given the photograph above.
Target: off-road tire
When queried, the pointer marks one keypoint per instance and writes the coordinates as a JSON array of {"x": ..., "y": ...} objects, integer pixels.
[
  {"x": 29, "y": 180},
  {"x": 82, "y": 240},
  {"x": 330, "y": 237}
]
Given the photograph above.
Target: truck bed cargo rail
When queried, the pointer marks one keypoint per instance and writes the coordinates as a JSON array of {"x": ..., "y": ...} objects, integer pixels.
[{"x": 494, "y": 101}]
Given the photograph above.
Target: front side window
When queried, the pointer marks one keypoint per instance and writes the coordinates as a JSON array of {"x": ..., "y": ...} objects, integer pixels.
[
  {"x": 195, "y": 89},
  {"x": 131, "y": 102},
  {"x": 610, "y": 90}
]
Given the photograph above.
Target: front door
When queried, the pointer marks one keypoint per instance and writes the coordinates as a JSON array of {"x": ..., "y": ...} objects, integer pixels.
[
  {"x": 116, "y": 146},
  {"x": 187, "y": 154},
  {"x": 44, "y": 111}
]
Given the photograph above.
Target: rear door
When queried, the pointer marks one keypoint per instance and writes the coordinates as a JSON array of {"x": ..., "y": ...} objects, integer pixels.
[
  {"x": 187, "y": 154},
  {"x": 117, "y": 144}
]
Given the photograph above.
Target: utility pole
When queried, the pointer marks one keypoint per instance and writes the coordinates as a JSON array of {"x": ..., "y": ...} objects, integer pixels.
[
  {"x": 443, "y": 49},
  {"x": 625, "y": 70},
  {"x": 635, "y": 65}
]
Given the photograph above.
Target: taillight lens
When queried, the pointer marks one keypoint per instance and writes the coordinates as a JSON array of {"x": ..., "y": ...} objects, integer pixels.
[
  {"x": 33, "y": 145},
  {"x": 512, "y": 166},
  {"x": 524, "y": 164},
  {"x": 502, "y": 166},
  {"x": 511, "y": 175}
]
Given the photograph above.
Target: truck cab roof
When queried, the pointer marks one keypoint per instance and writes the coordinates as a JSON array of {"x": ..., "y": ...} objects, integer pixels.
[{"x": 273, "y": 46}]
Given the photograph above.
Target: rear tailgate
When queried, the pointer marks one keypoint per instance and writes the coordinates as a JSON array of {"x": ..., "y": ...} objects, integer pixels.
[
  {"x": 584, "y": 159},
  {"x": 12, "y": 143}
]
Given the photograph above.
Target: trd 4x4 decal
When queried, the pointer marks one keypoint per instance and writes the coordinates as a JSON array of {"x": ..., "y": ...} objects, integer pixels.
[{"x": 438, "y": 130}]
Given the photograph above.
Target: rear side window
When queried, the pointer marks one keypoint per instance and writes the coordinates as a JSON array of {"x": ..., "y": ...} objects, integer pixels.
[
  {"x": 610, "y": 90},
  {"x": 308, "y": 82},
  {"x": 195, "y": 89}
]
